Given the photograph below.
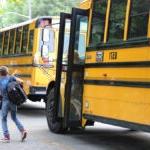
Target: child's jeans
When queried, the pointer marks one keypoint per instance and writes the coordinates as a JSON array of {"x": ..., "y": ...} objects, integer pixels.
[{"x": 6, "y": 106}]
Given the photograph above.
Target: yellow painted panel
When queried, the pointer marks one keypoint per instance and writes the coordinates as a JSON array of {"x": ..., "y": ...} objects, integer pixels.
[
  {"x": 123, "y": 55},
  {"x": 42, "y": 76},
  {"x": 127, "y": 20},
  {"x": 107, "y": 21},
  {"x": 36, "y": 40},
  {"x": 32, "y": 25},
  {"x": 127, "y": 74},
  {"x": 90, "y": 57},
  {"x": 86, "y": 4},
  {"x": 122, "y": 103},
  {"x": 16, "y": 60},
  {"x": 131, "y": 54}
]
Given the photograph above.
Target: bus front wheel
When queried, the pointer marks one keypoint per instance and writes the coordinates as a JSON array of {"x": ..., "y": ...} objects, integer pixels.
[{"x": 55, "y": 125}]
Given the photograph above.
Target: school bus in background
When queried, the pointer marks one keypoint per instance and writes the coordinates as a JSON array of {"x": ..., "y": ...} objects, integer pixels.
[
  {"x": 29, "y": 50},
  {"x": 108, "y": 81}
]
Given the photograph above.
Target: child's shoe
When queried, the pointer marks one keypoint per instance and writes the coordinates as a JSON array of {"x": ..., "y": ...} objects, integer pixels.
[
  {"x": 23, "y": 135},
  {"x": 6, "y": 139}
]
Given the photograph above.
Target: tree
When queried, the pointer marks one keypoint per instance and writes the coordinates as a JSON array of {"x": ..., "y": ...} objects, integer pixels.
[{"x": 39, "y": 8}]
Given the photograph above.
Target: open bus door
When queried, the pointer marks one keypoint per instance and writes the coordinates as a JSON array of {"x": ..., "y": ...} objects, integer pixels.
[{"x": 66, "y": 109}]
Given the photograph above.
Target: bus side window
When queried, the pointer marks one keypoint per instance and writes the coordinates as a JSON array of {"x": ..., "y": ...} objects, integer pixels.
[
  {"x": 18, "y": 40},
  {"x": 11, "y": 41},
  {"x": 25, "y": 39},
  {"x": 98, "y": 22},
  {"x": 117, "y": 20},
  {"x": 5, "y": 47},
  {"x": 1, "y": 42},
  {"x": 31, "y": 38},
  {"x": 138, "y": 21}
]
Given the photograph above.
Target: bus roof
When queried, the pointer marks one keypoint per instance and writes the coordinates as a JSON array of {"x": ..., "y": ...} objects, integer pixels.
[
  {"x": 86, "y": 4},
  {"x": 27, "y": 22}
]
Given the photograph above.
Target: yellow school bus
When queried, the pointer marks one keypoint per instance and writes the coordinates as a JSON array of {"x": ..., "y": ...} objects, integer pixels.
[
  {"x": 109, "y": 79},
  {"x": 29, "y": 50}
]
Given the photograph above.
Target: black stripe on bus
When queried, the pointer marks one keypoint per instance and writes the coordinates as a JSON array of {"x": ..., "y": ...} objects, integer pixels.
[
  {"x": 122, "y": 123},
  {"x": 28, "y": 65},
  {"x": 19, "y": 65},
  {"x": 118, "y": 64},
  {"x": 119, "y": 45},
  {"x": 118, "y": 83},
  {"x": 15, "y": 55},
  {"x": 23, "y": 75}
]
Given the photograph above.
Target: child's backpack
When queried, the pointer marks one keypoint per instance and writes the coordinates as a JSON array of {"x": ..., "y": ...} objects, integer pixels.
[{"x": 15, "y": 93}]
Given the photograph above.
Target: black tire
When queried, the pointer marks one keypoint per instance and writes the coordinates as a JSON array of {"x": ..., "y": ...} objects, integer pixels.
[{"x": 53, "y": 124}]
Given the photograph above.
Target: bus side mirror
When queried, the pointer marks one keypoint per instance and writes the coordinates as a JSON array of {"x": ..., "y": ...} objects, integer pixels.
[
  {"x": 46, "y": 35},
  {"x": 45, "y": 39},
  {"x": 45, "y": 51}
]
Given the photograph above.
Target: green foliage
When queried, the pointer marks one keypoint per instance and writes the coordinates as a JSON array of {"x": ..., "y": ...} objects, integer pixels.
[
  {"x": 15, "y": 1},
  {"x": 1, "y": 11},
  {"x": 38, "y": 7}
]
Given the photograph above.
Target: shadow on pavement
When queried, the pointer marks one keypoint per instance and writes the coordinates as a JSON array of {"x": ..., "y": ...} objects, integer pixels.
[
  {"x": 99, "y": 139},
  {"x": 112, "y": 139}
]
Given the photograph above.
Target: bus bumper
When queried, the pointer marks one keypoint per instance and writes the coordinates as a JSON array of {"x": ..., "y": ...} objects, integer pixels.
[{"x": 37, "y": 93}]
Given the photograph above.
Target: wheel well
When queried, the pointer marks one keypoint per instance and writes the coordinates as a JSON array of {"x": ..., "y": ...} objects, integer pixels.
[{"x": 50, "y": 86}]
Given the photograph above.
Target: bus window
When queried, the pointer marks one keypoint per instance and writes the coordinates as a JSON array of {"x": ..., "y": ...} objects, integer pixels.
[
  {"x": 18, "y": 40},
  {"x": 82, "y": 47},
  {"x": 6, "y": 37},
  {"x": 98, "y": 21},
  {"x": 31, "y": 38},
  {"x": 1, "y": 42},
  {"x": 11, "y": 42},
  {"x": 138, "y": 25},
  {"x": 66, "y": 41},
  {"x": 117, "y": 20},
  {"x": 66, "y": 46},
  {"x": 80, "y": 39},
  {"x": 24, "y": 39}
]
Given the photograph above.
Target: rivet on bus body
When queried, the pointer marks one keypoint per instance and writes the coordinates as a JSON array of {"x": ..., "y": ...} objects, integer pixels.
[
  {"x": 86, "y": 104},
  {"x": 86, "y": 74},
  {"x": 105, "y": 74}
]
